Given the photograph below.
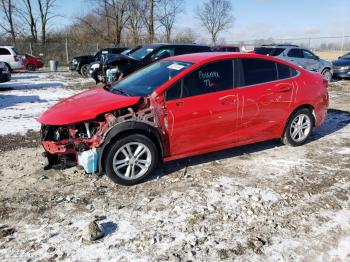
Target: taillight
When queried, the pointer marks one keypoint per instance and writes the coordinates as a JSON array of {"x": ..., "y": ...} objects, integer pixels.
[{"x": 15, "y": 58}]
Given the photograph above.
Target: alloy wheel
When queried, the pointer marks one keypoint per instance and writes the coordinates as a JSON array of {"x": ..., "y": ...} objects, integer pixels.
[
  {"x": 300, "y": 127},
  {"x": 132, "y": 160}
]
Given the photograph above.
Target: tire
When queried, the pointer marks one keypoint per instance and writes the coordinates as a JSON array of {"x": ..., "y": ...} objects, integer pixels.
[
  {"x": 327, "y": 74},
  {"x": 301, "y": 120},
  {"x": 31, "y": 67},
  {"x": 84, "y": 70},
  {"x": 120, "y": 167},
  {"x": 9, "y": 67}
]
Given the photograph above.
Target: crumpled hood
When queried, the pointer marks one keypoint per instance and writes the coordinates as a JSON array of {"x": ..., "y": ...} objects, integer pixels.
[
  {"x": 83, "y": 57},
  {"x": 115, "y": 59},
  {"x": 85, "y": 106}
]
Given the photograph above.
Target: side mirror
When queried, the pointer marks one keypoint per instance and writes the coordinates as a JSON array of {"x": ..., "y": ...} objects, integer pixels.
[{"x": 317, "y": 58}]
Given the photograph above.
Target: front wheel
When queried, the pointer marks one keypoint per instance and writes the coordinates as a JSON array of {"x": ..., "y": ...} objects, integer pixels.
[
  {"x": 327, "y": 75},
  {"x": 84, "y": 70},
  {"x": 31, "y": 67},
  {"x": 298, "y": 128},
  {"x": 131, "y": 159}
]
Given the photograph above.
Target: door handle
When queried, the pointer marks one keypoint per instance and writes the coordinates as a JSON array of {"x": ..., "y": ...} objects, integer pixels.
[
  {"x": 283, "y": 88},
  {"x": 179, "y": 103}
]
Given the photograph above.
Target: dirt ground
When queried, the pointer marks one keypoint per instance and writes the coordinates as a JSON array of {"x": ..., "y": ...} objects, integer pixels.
[{"x": 254, "y": 203}]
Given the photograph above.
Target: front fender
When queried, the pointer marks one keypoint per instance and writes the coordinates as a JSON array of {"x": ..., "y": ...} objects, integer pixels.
[{"x": 131, "y": 127}]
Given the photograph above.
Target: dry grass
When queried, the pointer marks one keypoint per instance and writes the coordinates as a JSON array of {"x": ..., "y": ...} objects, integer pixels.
[{"x": 330, "y": 55}]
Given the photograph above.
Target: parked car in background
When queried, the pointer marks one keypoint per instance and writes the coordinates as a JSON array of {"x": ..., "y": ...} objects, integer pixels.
[
  {"x": 31, "y": 63},
  {"x": 97, "y": 70},
  {"x": 5, "y": 74},
  {"x": 10, "y": 56},
  {"x": 124, "y": 65},
  {"x": 225, "y": 48},
  {"x": 81, "y": 63},
  {"x": 299, "y": 56},
  {"x": 341, "y": 67},
  {"x": 180, "y": 107}
]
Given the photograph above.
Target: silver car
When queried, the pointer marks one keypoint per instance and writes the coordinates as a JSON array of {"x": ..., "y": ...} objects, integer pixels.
[{"x": 299, "y": 56}]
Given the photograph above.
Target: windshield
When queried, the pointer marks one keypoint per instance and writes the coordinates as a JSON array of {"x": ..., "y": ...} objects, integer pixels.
[
  {"x": 268, "y": 51},
  {"x": 145, "y": 81},
  {"x": 141, "y": 53},
  {"x": 125, "y": 52},
  {"x": 347, "y": 56}
]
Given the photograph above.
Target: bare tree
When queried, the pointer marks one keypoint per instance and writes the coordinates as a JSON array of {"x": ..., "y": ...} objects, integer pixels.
[
  {"x": 119, "y": 16},
  {"x": 167, "y": 11},
  {"x": 7, "y": 10},
  {"x": 27, "y": 15},
  {"x": 149, "y": 18},
  {"x": 45, "y": 14},
  {"x": 135, "y": 24},
  {"x": 215, "y": 16}
]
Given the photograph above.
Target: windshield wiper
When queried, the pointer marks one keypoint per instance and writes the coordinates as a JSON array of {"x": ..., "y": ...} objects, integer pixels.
[{"x": 120, "y": 91}]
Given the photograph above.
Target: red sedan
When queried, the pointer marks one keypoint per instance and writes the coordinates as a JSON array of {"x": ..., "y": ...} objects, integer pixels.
[
  {"x": 32, "y": 63},
  {"x": 183, "y": 106}
]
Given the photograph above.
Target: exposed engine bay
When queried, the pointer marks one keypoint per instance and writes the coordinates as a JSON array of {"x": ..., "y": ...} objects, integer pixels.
[{"x": 63, "y": 144}]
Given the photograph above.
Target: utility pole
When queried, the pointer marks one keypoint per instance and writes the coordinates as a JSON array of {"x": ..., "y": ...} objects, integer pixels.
[{"x": 67, "y": 53}]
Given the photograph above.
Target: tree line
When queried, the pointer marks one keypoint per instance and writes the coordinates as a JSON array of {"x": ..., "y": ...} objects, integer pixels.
[{"x": 112, "y": 22}]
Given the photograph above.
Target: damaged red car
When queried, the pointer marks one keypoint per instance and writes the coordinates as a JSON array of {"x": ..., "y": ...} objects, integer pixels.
[{"x": 183, "y": 106}]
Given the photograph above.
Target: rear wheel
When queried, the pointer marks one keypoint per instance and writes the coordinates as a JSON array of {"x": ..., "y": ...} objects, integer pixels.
[
  {"x": 8, "y": 67},
  {"x": 84, "y": 70},
  {"x": 31, "y": 67},
  {"x": 131, "y": 159},
  {"x": 298, "y": 128},
  {"x": 327, "y": 75}
]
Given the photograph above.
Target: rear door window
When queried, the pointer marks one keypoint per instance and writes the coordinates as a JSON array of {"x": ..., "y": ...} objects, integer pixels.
[
  {"x": 213, "y": 77},
  {"x": 271, "y": 51},
  {"x": 296, "y": 53},
  {"x": 308, "y": 55},
  {"x": 4, "y": 51},
  {"x": 285, "y": 71},
  {"x": 258, "y": 71}
]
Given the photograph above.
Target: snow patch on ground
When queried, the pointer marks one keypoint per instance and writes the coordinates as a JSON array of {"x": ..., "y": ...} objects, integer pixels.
[{"x": 27, "y": 95}]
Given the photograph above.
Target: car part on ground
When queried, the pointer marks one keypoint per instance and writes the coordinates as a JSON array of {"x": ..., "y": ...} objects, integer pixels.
[
  {"x": 10, "y": 56},
  {"x": 341, "y": 66},
  {"x": 298, "y": 56},
  {"x": 5, "y": 74},
  {"x": 181, "y": 107},
  {"x": 141, "y": 57}
]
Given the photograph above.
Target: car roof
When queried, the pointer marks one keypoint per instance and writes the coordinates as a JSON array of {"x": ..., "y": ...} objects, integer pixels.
[
  {"x": 279, "y": 46},
  {"x": 173, "y": 44},
  {"x": 6, "y": 46},
  {"x": 202, "y": 58}
]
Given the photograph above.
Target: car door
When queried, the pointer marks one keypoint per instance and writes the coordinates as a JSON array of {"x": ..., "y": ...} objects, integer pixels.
[
  {"x": 265, "y": 93},
  {"x": 201, "y": 109},
  {"x": 311, "y": 61},
  {"x": 295, "y": 56}
]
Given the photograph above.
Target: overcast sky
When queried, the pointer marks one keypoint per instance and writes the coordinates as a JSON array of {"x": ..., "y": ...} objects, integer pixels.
[{"x": 255, "y": 19}]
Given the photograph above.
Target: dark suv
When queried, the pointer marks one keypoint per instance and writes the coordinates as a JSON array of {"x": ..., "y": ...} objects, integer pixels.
[
  {"x": 123, "y": 65},
  {"x": 81, "y": 63}
]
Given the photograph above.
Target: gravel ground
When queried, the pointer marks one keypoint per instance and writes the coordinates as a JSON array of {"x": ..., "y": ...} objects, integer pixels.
[{"x": 254, "y": 203}]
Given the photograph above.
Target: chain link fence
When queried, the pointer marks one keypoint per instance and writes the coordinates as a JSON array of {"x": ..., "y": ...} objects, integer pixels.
[
  {"x": 64, "y": 49},
  {"x": 326, "y": 47}
]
